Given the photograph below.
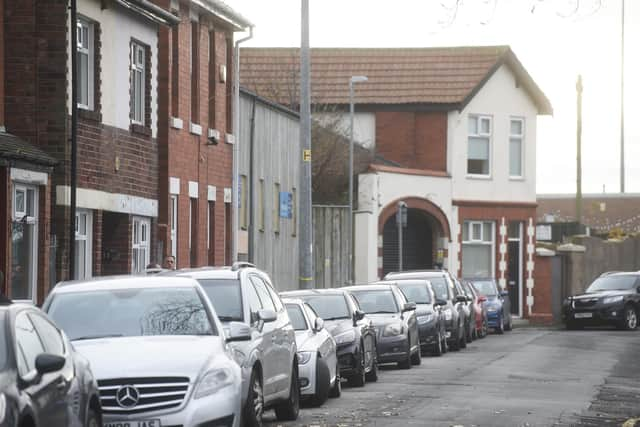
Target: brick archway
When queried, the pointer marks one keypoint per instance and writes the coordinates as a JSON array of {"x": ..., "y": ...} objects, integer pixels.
[{"x": 415, "y": 203}]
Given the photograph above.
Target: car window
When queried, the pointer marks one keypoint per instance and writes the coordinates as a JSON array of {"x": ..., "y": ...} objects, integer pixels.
[
  {"x": 253, "y": 300},
  {"x": 440, "y": 287},
  {"x": 613, "y": 283},
  {"x": 29, "y": 345},
  {"x": 311, "y": 314},
  {"x": 265, "y": 298},
  {"x": 329, "y": 307},
  {"x": 298, "y": 321},
  {"x": 131, "y": 312},
  {"x": 372, "y": 302},
  {"x": 4, "y": 345},
  {"x": 49, "y": 335},
  {"x": 274, "y": 296},
  {"x": 225, "y": 297},
  {"x": 485, "y": 287},
  {"x": 416, "y": 292}
]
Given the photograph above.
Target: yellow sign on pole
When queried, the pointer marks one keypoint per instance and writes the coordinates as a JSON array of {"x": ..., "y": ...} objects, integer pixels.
[{"x": 306, "y": 155}]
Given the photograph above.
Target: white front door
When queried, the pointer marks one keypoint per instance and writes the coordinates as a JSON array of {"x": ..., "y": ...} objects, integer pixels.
[
  {"x": 140, "y": 244},
  {"x": 84, "y": 240},
  {"x": 24, "y": 243}
]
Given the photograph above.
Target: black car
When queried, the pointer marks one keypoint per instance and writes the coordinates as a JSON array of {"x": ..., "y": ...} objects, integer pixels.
[
  {"x": 43, "y": 381},
  {"x": 395, "y": 322},
  {"x": 453, "y": 310},
  {"x": 612, "y": 299},
  {"x": 354, "y": 332},
  {"x": 431, "y": 322}
]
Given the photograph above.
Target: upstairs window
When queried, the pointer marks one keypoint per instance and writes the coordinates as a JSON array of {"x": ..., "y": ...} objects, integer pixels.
[
  {"x": 85, "y": 54},
  {"x": 479, "y": 146},
  {"x": 138, "y": 83},
  {"x": 516, "y": 148}
]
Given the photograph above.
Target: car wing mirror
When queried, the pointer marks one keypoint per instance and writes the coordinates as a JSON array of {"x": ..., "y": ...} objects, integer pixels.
[
  {"x": 267, "y": 315},
  {"x": 357, "y": 316},
  {"x": 47, "y": 363},
  {"x": 318, "y": 325},
  {"x": 461, "y": 298},
  {"x": 239, "y": 331}
]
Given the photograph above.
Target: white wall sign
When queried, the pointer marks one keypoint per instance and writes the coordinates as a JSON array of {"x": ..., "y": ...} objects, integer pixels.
[{"x": 543, "y": 233}]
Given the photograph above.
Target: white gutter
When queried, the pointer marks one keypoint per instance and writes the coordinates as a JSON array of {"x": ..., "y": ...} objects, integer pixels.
[{"x": 236, "y": 145}]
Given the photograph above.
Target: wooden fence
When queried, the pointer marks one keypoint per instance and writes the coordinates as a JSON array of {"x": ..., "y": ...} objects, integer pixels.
[{"x": 330, "y": 245}]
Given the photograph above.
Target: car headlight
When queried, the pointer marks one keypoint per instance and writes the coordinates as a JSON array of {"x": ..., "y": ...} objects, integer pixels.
[
  {"x": 213, "y": 381},
  {"x": 425, "y": 319},
  {"x": 448, "y": 314},
  {"x": 345, "y": 337},
  {"x": 392, "y": 330},
  {"x": 304, "y": 357},
  {"x": 3, "y": 407},
  {"x": 613, "y": 300}
]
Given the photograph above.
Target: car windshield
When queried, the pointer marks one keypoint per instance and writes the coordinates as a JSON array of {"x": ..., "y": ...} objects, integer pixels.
[
  {"x": 613, "y": 283},
  {"x": 416, "y": 292},
  {"x": 130, "y": 313},
  {"x": 485, "y": 287},
  {"x": 329, "y": 307},
  {"x": 3, "y": 341},
  {"x": 373, "y": 301},
  {"x": 225, "y": 297},
  {"x": 297, "y": 318},
  {"x": 440, "y": 285}
]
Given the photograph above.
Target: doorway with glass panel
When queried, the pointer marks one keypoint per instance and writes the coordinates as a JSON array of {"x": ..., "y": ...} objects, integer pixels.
[{"x": 23, "y": 276}]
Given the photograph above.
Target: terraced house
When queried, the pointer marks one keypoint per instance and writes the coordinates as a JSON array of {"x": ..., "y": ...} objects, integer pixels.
[{"x": 454, "y": 136}]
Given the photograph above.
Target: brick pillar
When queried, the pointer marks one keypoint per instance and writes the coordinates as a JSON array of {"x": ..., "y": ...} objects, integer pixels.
[
  {"x": 44, "y": 242},
  {"x": 97, "y": 243},
  {"x": 542, "y": 309}
]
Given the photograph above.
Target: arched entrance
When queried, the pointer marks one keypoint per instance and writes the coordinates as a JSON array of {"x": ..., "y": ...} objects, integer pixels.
[{"x": 422, "y": 246}]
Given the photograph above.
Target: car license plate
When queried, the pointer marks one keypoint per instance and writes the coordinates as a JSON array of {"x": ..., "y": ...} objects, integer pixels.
[
  {"x": 141, "y": 423},
  {"x": 583, "y": 315}
]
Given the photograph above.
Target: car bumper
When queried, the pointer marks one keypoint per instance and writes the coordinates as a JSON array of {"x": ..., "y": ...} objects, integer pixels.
[
  {"x": 597, "y": 316},
  {"x": 307, "y": 377},
  {"x": 221, "y": 409},
  {"x": 428, "y": 333},
  {"x": 349, "y": 358},
  {"x": 493, "y": 319},
  {"x": 392, "y": 349}
]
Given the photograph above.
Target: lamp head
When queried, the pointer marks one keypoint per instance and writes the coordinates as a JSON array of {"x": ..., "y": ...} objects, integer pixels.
[{"x": 358, "y": 79}]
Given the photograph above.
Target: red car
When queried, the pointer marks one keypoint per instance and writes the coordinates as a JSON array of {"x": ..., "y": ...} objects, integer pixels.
[{"x": 478, "y": 308}]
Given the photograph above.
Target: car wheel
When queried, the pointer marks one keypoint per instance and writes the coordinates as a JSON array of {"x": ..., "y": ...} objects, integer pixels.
[
  {"x": 254, "y": 408},
  {"x": 455, "y": 343},
  {"x": 630, "y": 318},
  {"x": 485, "y": 328},
  {"x": 416, "y": 358},
  {"x": 509, "y": 326},
  {"x": 358, "y": 379},
  {"x": 323, "y": 383},
  {"x": 288, "y": 410},
  {"x": 93, "y": 419},
  {"x": 445, "y": 344},
  {"x": 500, "y": 328},
  {"x": 463, "y": 341},
  {"x": 372, "y": 375},
  {"x": 336, "y": 390},
  {"x": 469, "y": 332},
  {"x": 437, "y": 347}
]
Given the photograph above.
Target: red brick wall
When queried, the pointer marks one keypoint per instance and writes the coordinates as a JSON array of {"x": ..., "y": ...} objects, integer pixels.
[
  {"x": 187, "y": 156},
  {"x": 44, "y": 242},
  {"x": 542, "y": 311},
  {"x": 97, "y": 243},
  {"x": 1, "y": 65},
  {"x": 413, "y": 139}
]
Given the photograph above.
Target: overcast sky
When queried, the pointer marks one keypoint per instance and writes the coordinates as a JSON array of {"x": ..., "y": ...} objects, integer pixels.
[{"x": 552, "y": 38}]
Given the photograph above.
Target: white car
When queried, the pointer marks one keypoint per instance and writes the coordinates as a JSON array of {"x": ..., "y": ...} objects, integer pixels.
[
  {"x": 317, "y": 361},
  {"x": 156, "y": 347}
]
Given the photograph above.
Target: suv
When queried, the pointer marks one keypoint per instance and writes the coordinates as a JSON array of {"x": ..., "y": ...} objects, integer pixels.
[
  {"x": 445, "y": 290},
  {"x": 243, "y": 293}
]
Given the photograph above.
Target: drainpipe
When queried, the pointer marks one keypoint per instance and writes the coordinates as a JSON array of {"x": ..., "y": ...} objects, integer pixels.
[
  {"x": 74, "y": 138},
  {"x": 236, "y": 145},
  {"x": 252, "y": 228}
]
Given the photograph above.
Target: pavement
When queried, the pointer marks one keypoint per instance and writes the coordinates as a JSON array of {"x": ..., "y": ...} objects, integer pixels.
[{"x": 528, "y": 377}]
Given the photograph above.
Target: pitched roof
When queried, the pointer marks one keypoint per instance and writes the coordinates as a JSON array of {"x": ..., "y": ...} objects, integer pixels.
[
  {"x": 446, "y": 77},
  {"x": 16, "y": 149}
]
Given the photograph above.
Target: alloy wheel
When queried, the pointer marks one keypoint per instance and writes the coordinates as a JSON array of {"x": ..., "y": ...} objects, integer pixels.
[
  {"x": 632, "y": 318},
  {"x": 258, "y": 399}
]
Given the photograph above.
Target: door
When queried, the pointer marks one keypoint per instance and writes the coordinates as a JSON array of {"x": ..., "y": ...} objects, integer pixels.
[
  {"x": 83, "y": 249},
  {"x": 48, "y": 394},
  {"x": 24, "y": 243},
  {"x": 140, "y": 244},
  {"x": 514, "y": 268}
]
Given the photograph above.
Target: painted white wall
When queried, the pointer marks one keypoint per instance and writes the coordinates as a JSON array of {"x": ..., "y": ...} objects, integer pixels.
[
  {"x": 118, "y": 26},
  {"x": 502, "y": 100},
  {"x": 364, "y": 126}
]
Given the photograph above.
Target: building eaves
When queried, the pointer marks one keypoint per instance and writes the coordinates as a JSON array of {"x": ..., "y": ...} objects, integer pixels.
[
  {"x": 150, "y": 11},
  {"x": 224, "y": 12},
  {"x": 268, "y": 102}
]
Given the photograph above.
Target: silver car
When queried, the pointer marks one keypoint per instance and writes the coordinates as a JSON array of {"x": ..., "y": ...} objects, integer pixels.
[{"x": 156, "y": 348}]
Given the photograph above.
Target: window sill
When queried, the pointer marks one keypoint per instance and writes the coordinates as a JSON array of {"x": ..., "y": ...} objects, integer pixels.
[
  {"x": 480, "y": 177},
  {"x": 85, "y": 114},
  {"x": 176, "y": 123},
  {"x": 516, "y": 178},
  {"x": 195, "y": 129},
  {"x": 140, "y": 129}
]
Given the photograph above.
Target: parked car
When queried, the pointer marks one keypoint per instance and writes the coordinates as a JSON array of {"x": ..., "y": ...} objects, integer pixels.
[
  {"x": 156, "y": 348},
  {"x": 498, "y": 304},
  {"x": 612, "y": 299},
  {"x": 443, "y": 286},
  {"x": 317, "y": 360},
  {"x": 243, "y": 293},
  {"x": 395, "y": 321},
  {"x": 44, "y": 382},
  {"x": 479, "y": 309},
  {"x": 353, "y": 331},
  {"x": 431, "y": 319},
  {"x": 469, "y": 314}
]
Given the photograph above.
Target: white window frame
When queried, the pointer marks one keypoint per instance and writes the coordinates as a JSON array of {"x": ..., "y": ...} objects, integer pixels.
[
  {"x": 83, "y": 23},
  {"x": 138, "y": 223},
  {"x": 480, "y": 134},
  {"x": 138, "y": 67},
  {"x": 522, "y": 141},
  {"x": 476, "y": 242},
  {"x": 173, "y": 225},
  {"x": 30, "y": 220},
  {"x": 88, "y": 238}
]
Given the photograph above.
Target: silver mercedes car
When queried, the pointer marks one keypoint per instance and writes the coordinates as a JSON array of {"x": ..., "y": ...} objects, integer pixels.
[{"x": 156, "y": 348}]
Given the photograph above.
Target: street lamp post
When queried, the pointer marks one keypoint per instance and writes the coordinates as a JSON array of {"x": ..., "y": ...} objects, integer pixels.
[{"x": 352, "y": 81}]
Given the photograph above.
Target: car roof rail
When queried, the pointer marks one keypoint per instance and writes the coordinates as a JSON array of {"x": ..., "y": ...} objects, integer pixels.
[{"x": 241, "y": 264}]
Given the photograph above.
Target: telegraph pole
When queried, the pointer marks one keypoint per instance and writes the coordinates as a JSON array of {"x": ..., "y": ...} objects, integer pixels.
[
  {"x": 306, "y": 237},
  {"x": 579, "y": 152},
  {"x": 622, "y": 103}
]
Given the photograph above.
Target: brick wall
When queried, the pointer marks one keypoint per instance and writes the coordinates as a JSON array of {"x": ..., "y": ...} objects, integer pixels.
[
  {"x": 5, "y": 209},
  {"x": 185, "y": 155},
  {"x": 413, "y": 139},
  {"x": 116, "y": 243},
  {"x": 97, "y": 243},
  {"x": 542, "y": 311},
  {"x": 44, "y": 242}
]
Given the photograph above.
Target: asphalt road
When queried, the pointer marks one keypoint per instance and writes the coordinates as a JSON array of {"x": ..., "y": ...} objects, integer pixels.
[{"x": 528, "y": 377}]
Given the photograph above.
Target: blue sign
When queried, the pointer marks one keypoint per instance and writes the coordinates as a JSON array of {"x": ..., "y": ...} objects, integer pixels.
[{"x": 286, "y": 205}]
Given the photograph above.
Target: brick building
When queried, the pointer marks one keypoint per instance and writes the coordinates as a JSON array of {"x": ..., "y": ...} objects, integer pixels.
[
  {"x": 117, "y": 178},
  {"x": 454, "y": 135},
  {"x": 195, "y": 134}
]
